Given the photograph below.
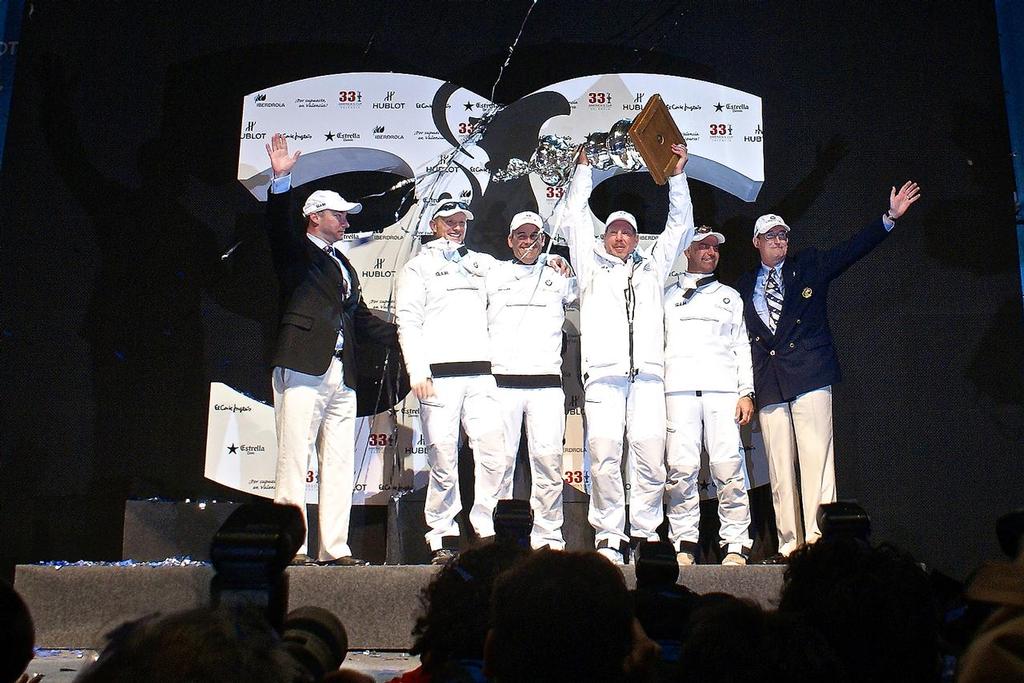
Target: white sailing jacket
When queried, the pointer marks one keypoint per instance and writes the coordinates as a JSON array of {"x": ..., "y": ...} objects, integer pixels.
[
  {"x": 706, "y": 345},
  {"x": 621, "y": 304},
  {"x": 441, "y": 307},
  {"x": 525, "y": 314}
]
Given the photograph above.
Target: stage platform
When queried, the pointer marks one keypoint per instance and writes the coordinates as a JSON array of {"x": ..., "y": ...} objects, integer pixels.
[{"x": 74, "y": 606}]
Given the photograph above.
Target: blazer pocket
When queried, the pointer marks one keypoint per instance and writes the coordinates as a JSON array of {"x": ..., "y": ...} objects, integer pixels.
[
  {"x": 303, "y": 322},
  {"x": 815, "y": 342}
]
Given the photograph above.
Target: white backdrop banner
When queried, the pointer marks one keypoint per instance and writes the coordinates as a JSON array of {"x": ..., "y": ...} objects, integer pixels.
[{"x": 446, "y": 141}]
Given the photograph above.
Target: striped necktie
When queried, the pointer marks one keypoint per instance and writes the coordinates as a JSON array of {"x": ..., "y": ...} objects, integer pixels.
[{"x": 773, "y": 299}]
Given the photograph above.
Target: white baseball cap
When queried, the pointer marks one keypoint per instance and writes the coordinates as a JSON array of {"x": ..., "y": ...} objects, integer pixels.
[
  {"x": 703, "y": 231},
  {"x": 621, "y": 216},
  {"x": 329, "y": 200},
  {"x": 450, "y": 207},
  {"x": 526, "y": 218},
  {"x": 767, "y": 222}
]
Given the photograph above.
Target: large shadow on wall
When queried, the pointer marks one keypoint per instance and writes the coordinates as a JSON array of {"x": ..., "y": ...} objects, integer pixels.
[
  {"x": 163, "y": 273},
  {"x": 143, "y": 322}
]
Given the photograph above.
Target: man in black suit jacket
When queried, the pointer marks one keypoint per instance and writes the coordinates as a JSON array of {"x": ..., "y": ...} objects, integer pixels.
[
  {"x": 323, "y": 322},
  {"x": 795, "y": 364}
]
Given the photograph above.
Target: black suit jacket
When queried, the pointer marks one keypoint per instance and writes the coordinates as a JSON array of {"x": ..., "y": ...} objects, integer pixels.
[
  {"x": 314, "y": 305},
  {"x": 800, "y": 356}
]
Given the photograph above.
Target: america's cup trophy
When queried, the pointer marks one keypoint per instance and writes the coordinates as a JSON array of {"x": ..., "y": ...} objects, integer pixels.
[{"x": 630, "y": 145}]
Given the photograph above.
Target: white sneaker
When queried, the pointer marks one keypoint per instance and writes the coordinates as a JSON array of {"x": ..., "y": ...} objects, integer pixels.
[
  {"x": 734, "y": 559},
  {"x": 611, "y": 554},
  {"x": 686, "y": 559}
]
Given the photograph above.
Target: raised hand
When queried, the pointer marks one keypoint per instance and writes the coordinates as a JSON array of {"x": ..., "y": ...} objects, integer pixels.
[
  {"x": 280, "y": 161},
  {"x": 680, "y": 151},
  {"x": 900, "y": 201}
]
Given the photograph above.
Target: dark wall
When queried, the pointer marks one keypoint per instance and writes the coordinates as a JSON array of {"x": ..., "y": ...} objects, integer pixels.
[{"x": 118, "y": 197}]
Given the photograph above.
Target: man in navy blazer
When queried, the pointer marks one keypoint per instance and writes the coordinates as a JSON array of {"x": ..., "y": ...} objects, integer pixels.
[
  {"x": 785, "y": 305},
  {"x": 323, "y": 321}
]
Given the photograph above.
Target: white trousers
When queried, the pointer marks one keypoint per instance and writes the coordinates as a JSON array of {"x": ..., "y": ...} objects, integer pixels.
[
  {"x": 798, "y": 433},
  {"x": 471, "y": 401},
  {"x": 612, "y": 405},
  {"x": 544, "y": 410},
  {"x": 315, "y": 417},
  {"x": 709, "y": 419}
]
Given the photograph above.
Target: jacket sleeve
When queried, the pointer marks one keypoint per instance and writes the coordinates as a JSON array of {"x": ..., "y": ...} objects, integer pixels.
[
  {"x": 287, "y": 246},
  {"x": 834, "y": 262},
  {"x": 371, "y": 329},
  {"x": 741, "y": 347},
  {"x": 572, "y": 220},
  {"x": 410, "y": 308},
  {"x": 678, "y": 229}
]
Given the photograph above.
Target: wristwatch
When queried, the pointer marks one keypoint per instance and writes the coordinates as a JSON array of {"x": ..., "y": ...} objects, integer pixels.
[{"x": 749, "y": 395}]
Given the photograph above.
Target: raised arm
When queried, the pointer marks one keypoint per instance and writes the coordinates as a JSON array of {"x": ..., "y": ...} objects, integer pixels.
[
  {"x": 679, "y": 227},
  {"x": 836, "y": 260},
  {"x": 287, "y": 240},
  {"x": 572, "y": 219}
]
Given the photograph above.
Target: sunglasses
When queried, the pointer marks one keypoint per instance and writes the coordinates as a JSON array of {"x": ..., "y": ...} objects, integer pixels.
[{"x": 448, "y": 206}]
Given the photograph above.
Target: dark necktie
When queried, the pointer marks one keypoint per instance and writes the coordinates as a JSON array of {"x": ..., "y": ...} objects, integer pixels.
[
  {"x": 334, "y": 253},
  {"x": 773, "y": 299}
]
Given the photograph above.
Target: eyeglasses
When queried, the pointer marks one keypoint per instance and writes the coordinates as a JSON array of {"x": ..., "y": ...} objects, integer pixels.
[
  {"x": 780, "y": 236},
  {"x": 703, "y": 230}
]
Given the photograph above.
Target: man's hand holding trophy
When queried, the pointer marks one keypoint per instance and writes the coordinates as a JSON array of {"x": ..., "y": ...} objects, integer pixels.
[{"x": 630, "y": 145}]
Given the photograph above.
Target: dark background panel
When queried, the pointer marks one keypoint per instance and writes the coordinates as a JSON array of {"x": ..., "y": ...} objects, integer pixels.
[{"x": 117, "y": 197}]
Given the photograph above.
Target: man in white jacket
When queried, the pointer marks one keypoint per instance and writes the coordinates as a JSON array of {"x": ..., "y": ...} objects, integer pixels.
[
  {"x": 442, "y": 326},
  {"x": 709, "y": 392},
  {"x": 526, "y": 310},
  {"x": 623, "y": 345}
]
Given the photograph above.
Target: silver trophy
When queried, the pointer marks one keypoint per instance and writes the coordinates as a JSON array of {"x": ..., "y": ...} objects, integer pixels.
[{"x": 555, "y": 158}]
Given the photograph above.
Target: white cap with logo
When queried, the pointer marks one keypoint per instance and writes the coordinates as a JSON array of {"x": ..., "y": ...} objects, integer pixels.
[
  {"x": 767, "y": 222},
  {"x": 329, "y": 200},
  {"x": 526, "y": 218},
  {"x": 703, "y": 231},
  {"x": 450, "y": 207},
  {"x": 621, "y": 216}
]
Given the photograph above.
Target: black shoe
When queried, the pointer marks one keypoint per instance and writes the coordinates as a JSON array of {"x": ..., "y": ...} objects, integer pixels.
[
  {"x": 443, "y": 556},
  {"x": 346, "y": 561},
  {"x": 777, "y": 558},
  {"x": 302, "y": 560}
]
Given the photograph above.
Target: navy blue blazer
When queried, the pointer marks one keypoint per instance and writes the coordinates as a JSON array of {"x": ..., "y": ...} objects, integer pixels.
[{"x": 800, "y": 356}]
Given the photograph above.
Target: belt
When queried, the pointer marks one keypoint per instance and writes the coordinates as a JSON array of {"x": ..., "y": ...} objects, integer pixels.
[
  {"x": 528, "y": 381},
  {"x": 460, "y": 369}
]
